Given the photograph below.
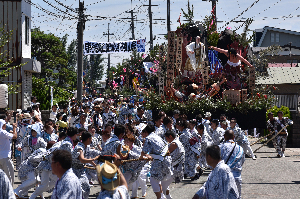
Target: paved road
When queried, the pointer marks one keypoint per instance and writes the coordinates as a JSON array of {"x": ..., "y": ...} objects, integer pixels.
[{"x": 267, "y": 177}]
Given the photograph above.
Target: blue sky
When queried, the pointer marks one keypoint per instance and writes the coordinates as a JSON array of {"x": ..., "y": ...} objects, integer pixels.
[{"x": 283, "y": 14}]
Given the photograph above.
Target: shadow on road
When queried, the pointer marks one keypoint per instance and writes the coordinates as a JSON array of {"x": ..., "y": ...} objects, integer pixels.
[{"x": 293, "y": 182}]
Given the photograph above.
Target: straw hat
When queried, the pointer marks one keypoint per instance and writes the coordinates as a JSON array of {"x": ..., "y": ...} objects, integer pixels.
[
  {"x": 26, "y": 116},
  {"x": 108, "y": 171}
]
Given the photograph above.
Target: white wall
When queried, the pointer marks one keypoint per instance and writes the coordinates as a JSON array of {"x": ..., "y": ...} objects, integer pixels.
[{"x": 26, "y": 11}]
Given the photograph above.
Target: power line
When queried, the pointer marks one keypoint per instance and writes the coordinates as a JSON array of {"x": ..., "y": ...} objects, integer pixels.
[
  {"x": 58, "y": 9},
  {"x": 240, "y": 13},
  {"x": 67, "y": 7},
  {"x": 47, "y": 11}
]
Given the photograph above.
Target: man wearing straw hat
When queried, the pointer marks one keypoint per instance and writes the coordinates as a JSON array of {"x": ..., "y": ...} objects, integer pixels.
[{"x": 111, "y": 180}]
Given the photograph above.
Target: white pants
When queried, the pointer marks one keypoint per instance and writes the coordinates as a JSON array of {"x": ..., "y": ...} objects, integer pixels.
[
  {"x": 127, "y": 177},
  {"x": 164, "y": 184},
  {"x": 247, "y": 150},
  {"x": 48, "y": 182},
  {"x": 140, "y": 182},
  {"x": 7, "y": 166},
  {"x": 238, "y": 181},
  {"x": 26, "y": 185}
]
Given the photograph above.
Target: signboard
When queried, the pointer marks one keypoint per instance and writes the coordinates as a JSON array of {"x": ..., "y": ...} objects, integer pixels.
[
  {"x": 170, "y": 58},
  {"x": 205, "y": 73},
  {"x": 161, "y": 86},
  {"x": 178, "y": 62},
  {"x": 252, "y": 78},
  {"x": 233, "y": 96},
  {"x": 93, "y": 47},
  {"x": 244, "y": 95}
]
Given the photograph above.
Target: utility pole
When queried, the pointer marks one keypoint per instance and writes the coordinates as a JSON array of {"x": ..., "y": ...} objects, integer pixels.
[
  {"x": 291, "y": 54},
  {"x": 168, "y": 16},
  {"x": 150, "y": 19},
  {"x": 132, "y": 23},
  {"x": 108, "y": 58},
  {"x": 80, "y": 28},
  {"x": 214, "y": 8}
]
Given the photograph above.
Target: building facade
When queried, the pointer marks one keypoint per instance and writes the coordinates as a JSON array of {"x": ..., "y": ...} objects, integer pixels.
[{"x": 16, "y": 17}]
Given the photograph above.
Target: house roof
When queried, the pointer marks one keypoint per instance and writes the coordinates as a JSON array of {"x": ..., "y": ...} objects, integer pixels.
[
  {"x": 266, "y": 28},
  {"x": 271, "y": 65},
  {"x": 281, "y": 75}
]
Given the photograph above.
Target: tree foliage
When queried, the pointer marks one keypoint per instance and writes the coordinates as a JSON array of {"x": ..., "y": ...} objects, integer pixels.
[
  {"x": 94, "y": 68},
  {"x": 58, "y": 67},
  {"x": 51, "y": 52},
  {"x": 189, "y": 15},
  {"x": 41, "y": 90}
]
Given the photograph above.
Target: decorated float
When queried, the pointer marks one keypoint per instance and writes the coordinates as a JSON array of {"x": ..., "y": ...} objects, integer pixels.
[{"x": 200, "y": 70}]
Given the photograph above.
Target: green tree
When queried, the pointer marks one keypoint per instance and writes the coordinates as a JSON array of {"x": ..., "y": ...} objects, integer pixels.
[
  {"x": 189, "y": 15},
  {"x": 95, "y": 68},
  {"x": 51, "y": 52},
  {"x": 72, "y": 54}
]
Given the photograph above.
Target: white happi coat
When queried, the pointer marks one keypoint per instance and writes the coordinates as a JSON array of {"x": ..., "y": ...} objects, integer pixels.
[{"x": 220, "y": 184}]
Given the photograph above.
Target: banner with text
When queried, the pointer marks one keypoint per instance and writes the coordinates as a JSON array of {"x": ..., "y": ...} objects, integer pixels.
[{"x": 93, "y": 47}]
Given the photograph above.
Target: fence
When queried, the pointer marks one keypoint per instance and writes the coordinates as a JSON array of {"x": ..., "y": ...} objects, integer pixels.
[{"x": 288, "y": 100}]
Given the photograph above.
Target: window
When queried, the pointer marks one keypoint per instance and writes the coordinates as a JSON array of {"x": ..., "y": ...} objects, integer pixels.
[
  {"x": 272, "y": 37},
  {"x": 26, "y": 30},
  {"x": 277, "y": 37}
]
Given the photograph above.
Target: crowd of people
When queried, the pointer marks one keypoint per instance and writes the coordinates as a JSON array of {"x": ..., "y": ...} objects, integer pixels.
[{"x": 123, "y": 146}]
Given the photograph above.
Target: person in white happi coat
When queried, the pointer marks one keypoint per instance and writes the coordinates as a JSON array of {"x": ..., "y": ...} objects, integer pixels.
[
  {"x": 132, "y": 170},
  {"x": 155, "y": 149},
  {"x": 206, "y": 141},
  {"x": 31, "y": 142},
  {"x": 113, "y": 144},
  {"x": 67, "y": 185},
  {"x": 80, "y": 156},
  {"x": 220, "y": 182},
  {"x": 108, "y": 116},
  {"x": 112, "y": 182},
  {"x": 158, "y": 126},
  {"x": 5, "y": 150},
  {"x": 192, "y": 150},
  {"x": 48, "y": 179},
  {"x": 167, "y": 125},
  {"x": 233, "y": 155},
  {"x": 54, "y": 112},
  {"x": 206, "y": 121},
  {"x": 176, "y": 115},
  {"x": 241, "y": 138},
  {"x": 177, "y": 153},
  {"x": 281, "y": 138},
  {"x": 6, "y": 189},
  {"x": 26, "y": 173},
  {"x": 48, "y": 134},
  {"x": 24, "y": 122},
  {"x": 215, "y": 132}
]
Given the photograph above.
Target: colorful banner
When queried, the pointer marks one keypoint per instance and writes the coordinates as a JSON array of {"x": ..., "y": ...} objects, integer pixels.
[{"x": 93, "y": 47}]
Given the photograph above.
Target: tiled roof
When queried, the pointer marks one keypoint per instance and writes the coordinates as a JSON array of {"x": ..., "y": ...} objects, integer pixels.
[
  {"x": 281, "y": 75},
  {"x": 271, "y": 65}
]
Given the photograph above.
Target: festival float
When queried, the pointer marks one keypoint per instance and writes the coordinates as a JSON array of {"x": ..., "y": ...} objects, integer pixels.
[{"x": 202, "y": 70}]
